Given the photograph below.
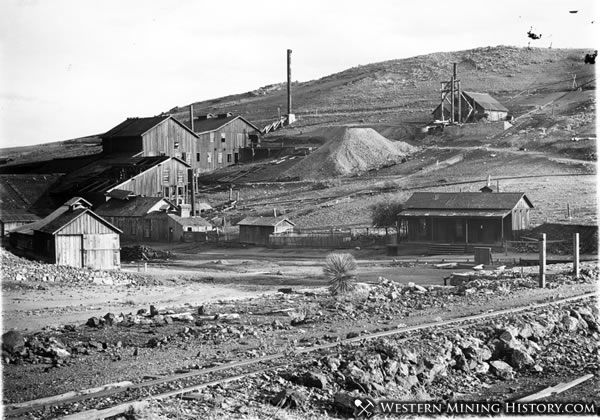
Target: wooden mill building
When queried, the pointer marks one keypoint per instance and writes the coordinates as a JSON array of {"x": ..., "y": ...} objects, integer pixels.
[
  {"x": 474, "y": 107},
  {"x": 256, "y": 230},
  {"x": 72, "y": 235},
  {"x": 152, "y": 176},
  {"x": 221, "y": 137},
  {"x": 464, "y": 217}
]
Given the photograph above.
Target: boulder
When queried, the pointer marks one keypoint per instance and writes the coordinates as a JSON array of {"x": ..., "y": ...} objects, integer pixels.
[
  {"x": 520, "y": 358},
  {"x": 289, "y": 398},
  {"x": 502, "y": 369},
  {"x": 94, "y": 322},
  {"x": 13, "y": 341},
  {"x": 569, "y": 323},
  {"x": 153, "y": 310}
]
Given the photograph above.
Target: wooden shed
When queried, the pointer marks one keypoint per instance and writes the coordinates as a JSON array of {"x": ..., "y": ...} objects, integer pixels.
[
  {"x": 140, "y": 218},
  {"x": 256, "y": 230},
  {"x": 220, "y": 139},
  {"x": 72, "y": 235},
  {"x": 9, "y": 221},
  {"x": 464, "y": 217},
  {"x": 474, "y": 107}
]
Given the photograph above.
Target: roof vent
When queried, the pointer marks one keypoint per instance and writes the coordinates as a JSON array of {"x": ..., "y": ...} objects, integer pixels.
[{"x": 226, "y": 115}]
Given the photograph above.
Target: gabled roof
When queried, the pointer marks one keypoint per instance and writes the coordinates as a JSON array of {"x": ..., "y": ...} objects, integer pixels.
[
  {"x": 133, "y": 127},
  {"x": 60, "y": 218},
  {"x": 190, "y": 221},
  {"x": 465, "y": 201},
  {"x": 136, "y": 127},
  {"x": 78, "y": 200},
  {"x": 264, "y": 221},
  {"x": 212, "y": 124},
  {"x": 134, "y": 207},
  {"x": 486, "y": 101}
]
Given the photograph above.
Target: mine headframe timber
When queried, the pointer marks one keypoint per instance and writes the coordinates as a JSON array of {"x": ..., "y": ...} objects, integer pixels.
[{"x": 450, "y": 92}]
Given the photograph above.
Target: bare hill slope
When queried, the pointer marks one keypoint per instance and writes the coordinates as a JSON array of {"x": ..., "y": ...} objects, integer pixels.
[{"x": 407, "y": 89}]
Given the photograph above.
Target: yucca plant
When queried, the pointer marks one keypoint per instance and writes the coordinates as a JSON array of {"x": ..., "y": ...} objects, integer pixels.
[{"x": 339, "y": 269}]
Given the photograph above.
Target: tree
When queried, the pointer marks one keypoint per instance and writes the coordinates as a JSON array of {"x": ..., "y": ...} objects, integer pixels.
[{"x": 386, "y": 214}]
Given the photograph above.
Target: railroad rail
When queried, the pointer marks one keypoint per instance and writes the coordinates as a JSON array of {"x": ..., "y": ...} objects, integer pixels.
[{"x": 137, "y": 393}]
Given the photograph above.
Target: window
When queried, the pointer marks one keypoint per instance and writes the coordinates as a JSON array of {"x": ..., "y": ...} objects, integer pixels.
[
  {"x": 189, "y": 229},
  {"x": 180, "y": 176},
  {"x": 197, "y": 157},
  {"x": 228, "y": 157},
  {"x": 220, "y": 158},
  {"x": 209, "y": 157},
  {"x": 180, "y": 191},
  {"x": 240, "y": 140},
  {"x": 183, "y": 156},
  {"x": 167, "y": 190},
  {"x": 223, "y": 137},
  {"x": 166, "y": 176},
  {"x": 212, "y": 137},
  {"x": 176, "y": 145}
]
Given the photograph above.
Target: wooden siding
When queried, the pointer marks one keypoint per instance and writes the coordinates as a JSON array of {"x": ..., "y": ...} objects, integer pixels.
[
  {"x": 162, "y": 139},
  {"x": 101, "y": 252},
  {"x": 258, "y": 235},
  {"x": 152, "y": 227},
  {"x": 520, "y": 216},
  {"x": 236, "y": 136},
  {"x": 85, "y": 224},
  {"x": 69, "y": 250},
  {"x": 168, "y": 179}
]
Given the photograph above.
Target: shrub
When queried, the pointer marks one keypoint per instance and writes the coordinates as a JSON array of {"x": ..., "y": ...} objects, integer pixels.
[{"x": 339, "y": 269}]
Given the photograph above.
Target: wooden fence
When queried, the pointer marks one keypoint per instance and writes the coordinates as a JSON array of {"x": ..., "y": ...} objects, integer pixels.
[{"x": 350, "y": 238}]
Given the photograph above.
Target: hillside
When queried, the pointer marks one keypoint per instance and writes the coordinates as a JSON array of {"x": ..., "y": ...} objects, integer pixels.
[{"x": 407, "y": 90}]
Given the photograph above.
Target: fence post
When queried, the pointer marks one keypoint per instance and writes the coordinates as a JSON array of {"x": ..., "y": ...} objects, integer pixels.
[
  {"x": 542, "y": 248},
  {"x": 576, "y": 255}
]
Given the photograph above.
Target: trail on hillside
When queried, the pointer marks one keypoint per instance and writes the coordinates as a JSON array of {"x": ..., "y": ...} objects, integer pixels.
[{"x": 350, "y": 150}]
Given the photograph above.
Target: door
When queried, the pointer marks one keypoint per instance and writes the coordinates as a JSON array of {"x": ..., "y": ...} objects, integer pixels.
[
  {"x": 236, "y": 157},
  {"x": 101, "y": 251},
  {"x": 69, "y": 250}
]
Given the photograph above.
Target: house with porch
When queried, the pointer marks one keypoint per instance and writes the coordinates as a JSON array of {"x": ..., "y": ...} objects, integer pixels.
[{"x": 463, "y": 219}]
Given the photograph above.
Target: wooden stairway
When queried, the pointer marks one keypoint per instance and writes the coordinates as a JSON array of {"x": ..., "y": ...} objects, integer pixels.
[{"x": 446, "y": 249}]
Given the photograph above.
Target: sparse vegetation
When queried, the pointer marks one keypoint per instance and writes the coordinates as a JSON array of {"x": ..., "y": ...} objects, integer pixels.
[{"x": 339, "y": 269}]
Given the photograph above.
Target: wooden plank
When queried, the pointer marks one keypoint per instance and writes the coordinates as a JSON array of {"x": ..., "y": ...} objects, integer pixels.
[
  {"x": 67, "y": 395},
  {"x": 556, "y": 389}
]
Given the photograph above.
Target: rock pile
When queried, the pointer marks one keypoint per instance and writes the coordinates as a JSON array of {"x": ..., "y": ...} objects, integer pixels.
[{"x": 19, "y": 270}]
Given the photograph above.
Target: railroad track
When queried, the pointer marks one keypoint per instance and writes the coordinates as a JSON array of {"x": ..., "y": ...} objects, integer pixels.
[{"x": 114, "y": 399}]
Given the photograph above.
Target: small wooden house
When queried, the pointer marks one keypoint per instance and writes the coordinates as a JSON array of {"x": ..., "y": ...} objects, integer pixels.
[
  {"x": 474, "y": 107},
  {"x": 179, "y": 225},
  {"x": 9, "y": 221},
  {"x": 256, "y": 230},
  {"x": 140, "y": 218},
  {"x": 464, "y": 217},
  {"x": 72, "y": 235}
]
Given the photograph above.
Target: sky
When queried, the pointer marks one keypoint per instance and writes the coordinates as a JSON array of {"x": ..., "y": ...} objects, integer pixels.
[{"x": 71, "y": 68}]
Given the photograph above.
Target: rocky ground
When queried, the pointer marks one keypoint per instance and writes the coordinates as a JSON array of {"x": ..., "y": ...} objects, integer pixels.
[{"x": 498, "y": 358}]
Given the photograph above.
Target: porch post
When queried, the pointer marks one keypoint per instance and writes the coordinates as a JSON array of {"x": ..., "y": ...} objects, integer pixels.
[
  {"x": 466, "y": 231},
  {"x": 502, "y": 229},
  {"x": 431, "y": 224}
]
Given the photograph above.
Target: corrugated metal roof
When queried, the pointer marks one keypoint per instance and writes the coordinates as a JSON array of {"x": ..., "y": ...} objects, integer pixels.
[
  {"x": 465, "y": 201},
  {"x": 212, "y": 124},
  {"x": 454, "y": 213},
  {"x": 264, "y": 221},
  {"x": 486, "y": 101},
  {"x": 190, "y": 221},
  {"x": 133, "y": 127},
  {"x": 134, "y": 207}
]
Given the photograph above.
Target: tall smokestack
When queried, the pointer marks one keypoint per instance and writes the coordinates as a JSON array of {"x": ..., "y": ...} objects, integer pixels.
[
  {"x": 192, "y": 117},
  {"x": 289, "y": 81}
]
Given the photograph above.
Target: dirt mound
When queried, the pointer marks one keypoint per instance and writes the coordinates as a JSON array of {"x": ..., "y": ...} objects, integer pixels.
[{"x": 350, "y": 150}]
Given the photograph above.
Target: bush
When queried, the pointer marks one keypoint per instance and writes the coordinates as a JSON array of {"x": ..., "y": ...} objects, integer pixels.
[{"x": 339, "y": 269}]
